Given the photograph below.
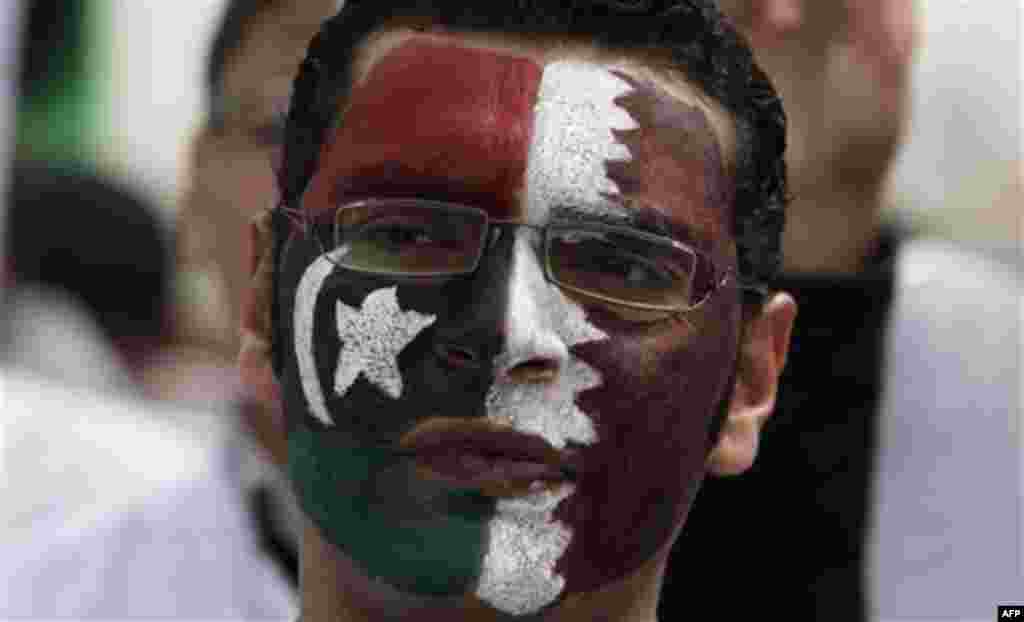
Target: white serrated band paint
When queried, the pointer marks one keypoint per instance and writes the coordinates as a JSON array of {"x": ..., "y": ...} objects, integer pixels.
[
  {"x": 572, "y": 139},
  {"x": 574, "y": 118},
  {"x": 524, "y": 540}
]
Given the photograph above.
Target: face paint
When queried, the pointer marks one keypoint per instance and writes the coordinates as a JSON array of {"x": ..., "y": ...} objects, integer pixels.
[
  {"x": 341, "y": 476},
  {"x": 305, "y": 300},
  {"x": 525, "y": 541},
  {"x": 471, "y": 141},
  {"x": 634, "y": 402},
  {"x": 372, "y": 337},
  {"x": 464, "y": 141},
  {"x": 575, "y": 117},
  {"x": 662, "y": 383},
  {"x": 674, "y": 164}
]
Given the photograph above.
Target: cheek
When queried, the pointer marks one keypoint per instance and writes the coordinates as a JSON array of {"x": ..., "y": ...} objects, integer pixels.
[
  {"x": 362, "y": 348},
  {"x": 660, "y": 392},
  {"x": 662, "y": 382}
]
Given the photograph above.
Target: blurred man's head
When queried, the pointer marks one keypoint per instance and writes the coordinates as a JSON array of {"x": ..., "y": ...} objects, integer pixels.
[
  {"x": 252, "y": 61},
  {"x": 842, "y": 67},
  {"x": 505, "y": 291},
  {"x": 99, "y": 244}
]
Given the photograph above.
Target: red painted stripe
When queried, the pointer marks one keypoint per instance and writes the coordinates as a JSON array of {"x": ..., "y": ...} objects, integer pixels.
[{"x": 437, "y": 120}]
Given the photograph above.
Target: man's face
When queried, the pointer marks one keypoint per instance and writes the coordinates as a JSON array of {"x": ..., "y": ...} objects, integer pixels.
[
  {"x": 233, "y": 177},
  {"x": 506, "y": 439}
]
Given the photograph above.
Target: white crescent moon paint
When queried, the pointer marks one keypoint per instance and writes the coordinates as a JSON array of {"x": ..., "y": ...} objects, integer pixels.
[{"x": 371, "y": 337}]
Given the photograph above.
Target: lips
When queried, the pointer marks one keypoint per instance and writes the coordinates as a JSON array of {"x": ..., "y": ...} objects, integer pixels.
[{"x": 495, "y": 460}]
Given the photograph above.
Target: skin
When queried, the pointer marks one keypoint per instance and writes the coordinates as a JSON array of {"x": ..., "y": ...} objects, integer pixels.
[
  {"x": 598, "y": 549},
  {"x": 842, "y": 67},
  {"x": 233, "y": 182},
  {"x": 232, "y": 173}
]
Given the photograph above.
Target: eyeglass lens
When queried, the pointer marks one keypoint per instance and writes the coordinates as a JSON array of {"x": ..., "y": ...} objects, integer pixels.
[
  {"x": 405, "y": 239},
  {"x": 418, "y": 239}
]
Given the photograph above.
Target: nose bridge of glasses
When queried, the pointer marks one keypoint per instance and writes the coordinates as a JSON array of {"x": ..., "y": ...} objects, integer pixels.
[{"x": 496, "y": 230}]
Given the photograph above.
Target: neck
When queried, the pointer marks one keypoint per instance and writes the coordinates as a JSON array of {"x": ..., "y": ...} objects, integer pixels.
[{"x": 333, "y": 589}]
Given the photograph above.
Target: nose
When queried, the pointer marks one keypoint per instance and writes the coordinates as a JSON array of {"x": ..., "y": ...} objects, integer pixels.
[
  {"x": 504, "y": 325},
  {"x": 534, "y": 351},
  {"x": 535, "y": 363},
  {"x": 535, "y": 367}
]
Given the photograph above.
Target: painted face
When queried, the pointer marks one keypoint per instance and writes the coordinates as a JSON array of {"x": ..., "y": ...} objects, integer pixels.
[{"x": 558, "y": 443}]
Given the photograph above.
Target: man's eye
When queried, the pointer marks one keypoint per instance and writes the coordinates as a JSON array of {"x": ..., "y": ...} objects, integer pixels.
[
  {"x": 621, "y": 268},
  {"x": 612, "y": 267},
  {"x": 398, "y": 236},
  {"x": 632, "y": 270}
]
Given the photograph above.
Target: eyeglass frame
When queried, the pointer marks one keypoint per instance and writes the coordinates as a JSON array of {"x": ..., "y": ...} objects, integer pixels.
[{"x": 759, "y": 293}]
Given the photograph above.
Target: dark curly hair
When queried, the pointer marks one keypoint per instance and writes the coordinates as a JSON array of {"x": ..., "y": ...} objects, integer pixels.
[{"x": 693, "y": 35}]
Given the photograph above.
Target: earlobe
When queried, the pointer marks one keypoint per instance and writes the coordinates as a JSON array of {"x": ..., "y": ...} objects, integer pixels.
[{"x": 762, "y": 357}]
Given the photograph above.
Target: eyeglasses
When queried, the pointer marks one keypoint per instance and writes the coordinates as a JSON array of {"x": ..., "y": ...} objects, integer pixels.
[{"x": 428, "y": 239}]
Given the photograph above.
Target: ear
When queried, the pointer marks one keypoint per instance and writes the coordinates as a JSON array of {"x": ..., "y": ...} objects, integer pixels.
[
  {"x": 255, "y": 360},
  {"x": 762, "y": 356}
]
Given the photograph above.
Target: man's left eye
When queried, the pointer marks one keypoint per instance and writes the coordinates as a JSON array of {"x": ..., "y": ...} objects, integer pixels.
[
  {"x": 631, "y": 269},
  {"x": 606, "y": 266}
]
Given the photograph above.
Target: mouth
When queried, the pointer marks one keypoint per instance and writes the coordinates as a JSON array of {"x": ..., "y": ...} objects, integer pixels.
[{"x": 494, "y": 460}]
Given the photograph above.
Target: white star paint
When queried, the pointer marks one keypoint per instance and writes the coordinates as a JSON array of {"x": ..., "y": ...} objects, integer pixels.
[
  {"x": 524, "y": 540},
  {"x": 384, "y": 324},
  {"x": 372, "y": 338},
  {"x": 572, "y": 139},
  {"x": 310, "y": 284}
]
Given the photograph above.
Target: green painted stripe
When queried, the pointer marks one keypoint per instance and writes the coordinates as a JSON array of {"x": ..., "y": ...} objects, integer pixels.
[{"x": 443, "y": 557}]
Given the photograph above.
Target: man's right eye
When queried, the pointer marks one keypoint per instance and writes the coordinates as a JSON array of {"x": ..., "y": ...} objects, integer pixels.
[{"x": 398, "y": 235}]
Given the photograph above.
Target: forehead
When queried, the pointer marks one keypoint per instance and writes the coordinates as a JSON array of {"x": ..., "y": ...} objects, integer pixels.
[{"x": 523, "y": 130}]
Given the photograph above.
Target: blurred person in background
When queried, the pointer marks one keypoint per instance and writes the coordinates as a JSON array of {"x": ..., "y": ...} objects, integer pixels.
[
  {"x": 872, "y": 506},
  {"x": 92, "y": 277},
  {"x": 252, "y": 61},
  {"x": 115, "y": 506},
  {"x": 58, "y": 103},
  {"x": 250, "y": 66}
]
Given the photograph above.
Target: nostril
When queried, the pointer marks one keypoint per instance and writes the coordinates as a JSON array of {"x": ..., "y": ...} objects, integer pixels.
[
  {"x": 536, "y": 369},
  {"x": 457, "y": 356}
]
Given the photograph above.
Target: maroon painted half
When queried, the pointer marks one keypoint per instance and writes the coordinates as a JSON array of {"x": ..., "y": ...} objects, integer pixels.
[{"x": 664, "y": 382}]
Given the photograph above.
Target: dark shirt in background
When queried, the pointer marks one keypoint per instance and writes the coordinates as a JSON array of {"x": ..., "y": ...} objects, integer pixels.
[{"x": 787, "y": 538}]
